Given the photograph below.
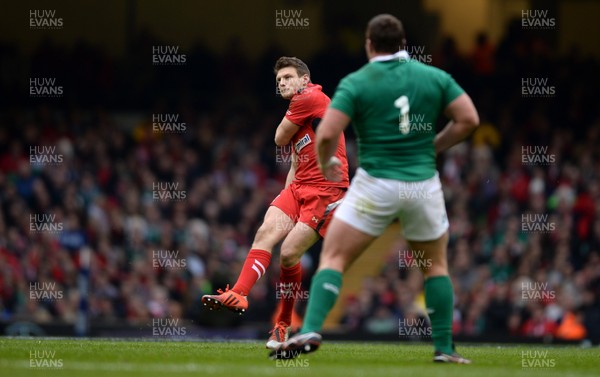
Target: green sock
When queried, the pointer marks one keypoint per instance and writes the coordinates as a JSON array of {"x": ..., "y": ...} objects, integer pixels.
[
  {"x": 324, "y": 291},
  {"x": 439, "y": 299}
]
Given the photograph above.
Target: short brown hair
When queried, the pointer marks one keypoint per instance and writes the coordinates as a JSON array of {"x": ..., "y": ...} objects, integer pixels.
[
  {"x": 287, "y": 61},
  {"x": 386, "y": 33}
]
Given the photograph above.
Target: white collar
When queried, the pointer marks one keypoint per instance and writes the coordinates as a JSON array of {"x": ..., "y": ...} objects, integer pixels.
[{"x": 400, "y": 55}]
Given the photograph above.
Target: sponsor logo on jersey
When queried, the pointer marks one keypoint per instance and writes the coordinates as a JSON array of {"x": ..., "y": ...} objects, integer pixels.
[{"x": 302, "y": 143}]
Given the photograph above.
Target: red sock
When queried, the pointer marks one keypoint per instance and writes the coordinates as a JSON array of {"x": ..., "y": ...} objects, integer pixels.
[
  {"x": 255, "y": 267},
  {"x": 289, "y": 286}
]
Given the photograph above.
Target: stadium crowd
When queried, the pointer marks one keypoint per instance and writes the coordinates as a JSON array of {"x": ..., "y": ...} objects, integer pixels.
[{"x": 169, "y": 215}]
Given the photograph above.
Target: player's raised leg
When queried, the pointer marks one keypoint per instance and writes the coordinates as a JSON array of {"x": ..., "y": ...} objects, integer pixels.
[
  {"x": 439, "y": 297},
  {"x": 274, "y": 228},
  {"x": 300, "y": 239},
  {"x": 342, "y": 246}
]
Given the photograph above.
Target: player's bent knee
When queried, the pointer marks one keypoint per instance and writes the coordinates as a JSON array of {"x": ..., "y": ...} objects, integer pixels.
[{"x": 290, "y": 257}]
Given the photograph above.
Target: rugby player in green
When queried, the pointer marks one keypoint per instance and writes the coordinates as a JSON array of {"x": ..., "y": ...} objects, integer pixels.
[{"x": 396, "y": 178}]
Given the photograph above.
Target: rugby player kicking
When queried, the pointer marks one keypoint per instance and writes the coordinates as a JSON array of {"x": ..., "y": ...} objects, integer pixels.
[{"x": 301, "y": 213}]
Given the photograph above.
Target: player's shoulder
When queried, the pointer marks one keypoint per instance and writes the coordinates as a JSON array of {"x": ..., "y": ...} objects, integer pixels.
[
  {"x": 418, "y": 67},
  {"x": 312, "y": 90},
  {"x": 311, "y": 93}
]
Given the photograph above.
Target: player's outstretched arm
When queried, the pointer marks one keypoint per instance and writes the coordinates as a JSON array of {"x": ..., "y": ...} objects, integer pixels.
[{"x": 463, "y": 121}]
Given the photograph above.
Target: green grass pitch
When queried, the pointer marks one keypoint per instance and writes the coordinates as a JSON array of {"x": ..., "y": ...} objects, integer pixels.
[{"x": 81, "y": 357}]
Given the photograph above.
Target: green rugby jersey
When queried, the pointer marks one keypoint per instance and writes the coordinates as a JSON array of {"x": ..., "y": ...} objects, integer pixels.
[{"x": 394, "y": 103}]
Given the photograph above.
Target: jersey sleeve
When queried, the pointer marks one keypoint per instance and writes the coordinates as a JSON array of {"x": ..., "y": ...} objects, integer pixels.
[
  {"x": 300, "y": 109},
  {"x": 343, "y": 99},
  {"x": 450, "y": 89}
]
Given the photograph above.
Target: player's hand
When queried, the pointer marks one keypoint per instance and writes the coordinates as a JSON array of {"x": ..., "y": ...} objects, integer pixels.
[{"x": 332, "y": 170}]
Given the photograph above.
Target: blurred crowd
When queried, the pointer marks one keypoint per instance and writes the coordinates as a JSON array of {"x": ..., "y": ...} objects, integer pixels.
[{"x": 170, "y": 215}]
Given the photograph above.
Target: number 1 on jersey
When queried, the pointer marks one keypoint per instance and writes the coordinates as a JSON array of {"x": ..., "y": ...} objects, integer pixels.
[{"x": 403, "y": 122}]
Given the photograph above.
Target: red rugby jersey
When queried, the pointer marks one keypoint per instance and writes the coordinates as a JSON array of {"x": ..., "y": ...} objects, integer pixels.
[{"x": 306, "y": 110}]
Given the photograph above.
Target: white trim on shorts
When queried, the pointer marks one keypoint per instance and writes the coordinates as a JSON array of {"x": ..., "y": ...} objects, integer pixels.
[{"x": 371, "y": 204}]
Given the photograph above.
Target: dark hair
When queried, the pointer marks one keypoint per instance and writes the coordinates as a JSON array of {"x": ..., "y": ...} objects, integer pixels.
[
  {"x": 386, "y": 33},
  {"x": 287, "y": 61}
]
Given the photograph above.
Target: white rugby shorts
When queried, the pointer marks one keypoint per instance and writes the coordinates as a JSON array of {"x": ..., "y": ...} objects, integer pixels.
[{"x": 371, "y": 204}]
